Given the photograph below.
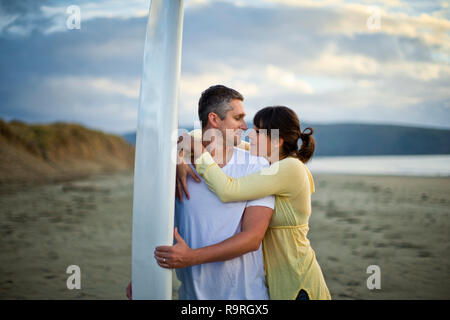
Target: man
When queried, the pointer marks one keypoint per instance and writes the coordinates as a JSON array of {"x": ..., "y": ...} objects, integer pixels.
[{"x": 203, "y": 220}]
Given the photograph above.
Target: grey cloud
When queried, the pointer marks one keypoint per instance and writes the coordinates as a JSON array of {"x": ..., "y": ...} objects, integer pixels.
[
  {"x": 243, "y": 38},
  {"x": 25, "y": 15}
]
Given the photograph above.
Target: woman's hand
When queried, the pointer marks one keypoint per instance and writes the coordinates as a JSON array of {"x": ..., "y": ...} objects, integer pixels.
[
  {"x": 176, "y": 256},
  {"x": 186, "y": 143},
  {"x": 190, "y": 147},
  {"x": 183, "y": 170}
]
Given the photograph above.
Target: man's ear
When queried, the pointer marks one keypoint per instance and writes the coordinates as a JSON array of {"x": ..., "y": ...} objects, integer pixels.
[{"x": 213, "y": 119}]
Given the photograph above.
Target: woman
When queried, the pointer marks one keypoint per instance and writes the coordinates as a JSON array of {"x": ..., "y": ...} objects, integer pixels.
[{"x": 292, "y": 271}]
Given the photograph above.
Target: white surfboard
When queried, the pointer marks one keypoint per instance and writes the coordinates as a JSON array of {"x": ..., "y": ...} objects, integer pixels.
[{"x": 154, "y": 171}]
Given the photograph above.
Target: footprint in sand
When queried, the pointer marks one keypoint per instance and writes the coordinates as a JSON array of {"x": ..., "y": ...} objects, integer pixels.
[
  {"x": 331, "y": 258},
  {"x": 380, "y": 245},
  {"x": 392, "y": 235},
  {"x": 406, "y": 245},
  {"x": 371, "y": 255},
  {"x": 352, "y": 220},
  {"x": 424, "y": 254},
  {"x": 353, "y": 283},
  {"x": 360, "y": 212}
]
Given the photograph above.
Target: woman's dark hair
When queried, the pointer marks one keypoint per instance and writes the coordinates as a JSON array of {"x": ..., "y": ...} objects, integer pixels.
[{"x": 286, "y": 121}]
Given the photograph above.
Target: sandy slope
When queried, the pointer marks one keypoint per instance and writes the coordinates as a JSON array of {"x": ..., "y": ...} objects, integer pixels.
[
  {"x": 398, "y": 223},
  {"x": 45, "y": 153}
]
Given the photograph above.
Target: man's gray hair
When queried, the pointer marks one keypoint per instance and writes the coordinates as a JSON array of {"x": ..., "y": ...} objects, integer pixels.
[{"x": 216, "y": 99}]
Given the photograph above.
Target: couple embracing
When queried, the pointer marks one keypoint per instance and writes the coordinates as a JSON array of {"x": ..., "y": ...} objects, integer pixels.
[{"x": 242, "y": 209}]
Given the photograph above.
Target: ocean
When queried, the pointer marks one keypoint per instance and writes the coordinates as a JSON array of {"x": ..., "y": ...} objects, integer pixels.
[{"x": 409, "y": 165}]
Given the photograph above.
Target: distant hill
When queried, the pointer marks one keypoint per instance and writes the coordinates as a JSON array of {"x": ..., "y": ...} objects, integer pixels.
[
  {"x": 365, "y": 139},
  {"x": 58, "y": 151},
  {"x": 370, "y": 139}
]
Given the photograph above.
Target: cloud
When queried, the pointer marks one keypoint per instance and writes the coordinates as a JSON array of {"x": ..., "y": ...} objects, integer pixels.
[
  {"x": 331, "y": 62},
  {"x": 350, "y": 18},
  {"x": 98, "y": 85},
  {"x": 49, "y": 16},
  {"x": 316, "y": 57},
  {"x": 287, "y": 80},
  {"x": 96, "y": 101}
]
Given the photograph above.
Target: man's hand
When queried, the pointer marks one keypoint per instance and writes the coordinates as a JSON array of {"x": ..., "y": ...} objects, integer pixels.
[
  {"x": 130, "y": 291},
  {"x": 176, "y": 256}
]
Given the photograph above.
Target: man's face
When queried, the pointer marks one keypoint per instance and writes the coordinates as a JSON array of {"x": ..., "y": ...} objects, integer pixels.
[{"x": 233, "y": 124}]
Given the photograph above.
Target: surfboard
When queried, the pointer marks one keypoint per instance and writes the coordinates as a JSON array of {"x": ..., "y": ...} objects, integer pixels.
[{"x": 154, "y": 170}]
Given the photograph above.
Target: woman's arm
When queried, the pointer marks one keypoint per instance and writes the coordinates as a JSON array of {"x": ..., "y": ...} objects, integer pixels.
[
  {"x": 183, "y": 169},
  {"x": 284, "y": 178},
  {"x": 254, "y": 225},
  {"x": 197, "y": 134}
]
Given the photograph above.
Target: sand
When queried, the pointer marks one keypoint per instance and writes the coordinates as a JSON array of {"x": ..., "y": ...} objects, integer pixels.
[{"x": 400, "y": 224}]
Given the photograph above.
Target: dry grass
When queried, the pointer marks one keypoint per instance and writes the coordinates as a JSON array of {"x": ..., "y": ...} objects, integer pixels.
[{"x": 44, "y": 152}]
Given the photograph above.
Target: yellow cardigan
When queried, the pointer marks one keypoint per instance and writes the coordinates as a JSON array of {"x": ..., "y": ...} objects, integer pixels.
[{"x": 289, "y": 261}]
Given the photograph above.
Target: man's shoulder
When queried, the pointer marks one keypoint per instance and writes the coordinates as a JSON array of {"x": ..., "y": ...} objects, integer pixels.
[{"x": 253, "y": 163}]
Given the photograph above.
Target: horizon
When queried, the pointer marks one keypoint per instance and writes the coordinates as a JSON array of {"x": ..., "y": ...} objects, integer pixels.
[{"x": 249, "y": 124}]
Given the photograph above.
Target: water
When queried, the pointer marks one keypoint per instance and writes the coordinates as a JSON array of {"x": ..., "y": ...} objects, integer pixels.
[{"x": 416, "y": 165}]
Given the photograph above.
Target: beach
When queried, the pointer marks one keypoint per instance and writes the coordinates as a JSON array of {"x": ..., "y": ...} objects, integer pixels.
[{"x": 398, "y": 223}]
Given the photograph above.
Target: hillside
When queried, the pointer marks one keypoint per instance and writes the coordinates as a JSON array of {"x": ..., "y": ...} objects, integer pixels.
[
  {"x": 370, "y": 139},
  {"x": 35, "y": 153}
]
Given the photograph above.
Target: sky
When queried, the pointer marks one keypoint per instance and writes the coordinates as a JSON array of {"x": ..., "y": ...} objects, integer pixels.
[{"x": 331, "y": 61}]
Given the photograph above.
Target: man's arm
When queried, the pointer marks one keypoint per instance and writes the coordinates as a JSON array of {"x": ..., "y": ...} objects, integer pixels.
[{"x": 255, "y": 222}]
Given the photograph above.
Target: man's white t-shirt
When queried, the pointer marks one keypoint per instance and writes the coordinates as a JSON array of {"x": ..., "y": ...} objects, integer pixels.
[{"x": 204, "y": 220}]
